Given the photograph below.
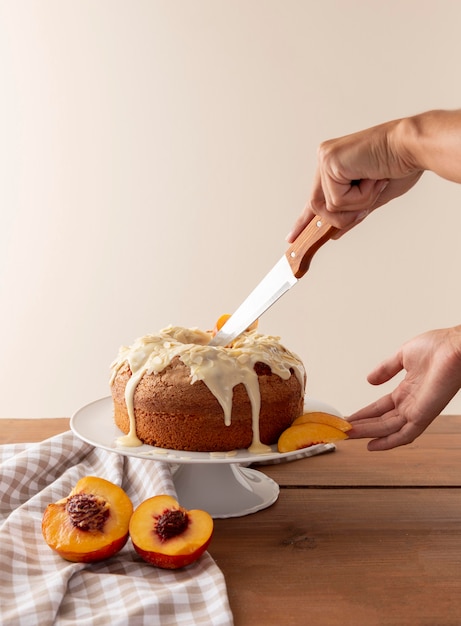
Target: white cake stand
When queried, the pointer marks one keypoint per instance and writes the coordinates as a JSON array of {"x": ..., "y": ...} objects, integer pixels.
[{"x": 220, "y": 483}]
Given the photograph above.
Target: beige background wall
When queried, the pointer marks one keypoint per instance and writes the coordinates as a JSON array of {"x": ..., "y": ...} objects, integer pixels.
[{"x": 153, "y": 155}]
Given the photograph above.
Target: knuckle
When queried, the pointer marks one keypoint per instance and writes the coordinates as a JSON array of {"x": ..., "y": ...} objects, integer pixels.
[{"x": 324, "y": 151}]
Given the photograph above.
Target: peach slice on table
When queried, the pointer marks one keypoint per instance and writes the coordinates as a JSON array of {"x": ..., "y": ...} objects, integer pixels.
[
  {"x": 89, "y": 525},
  {"x": 319, "y": 417},
  {"x": 309, "y": 434},
  {"x": 168, "y": 536},
  {"x": 223, "y": 319}
]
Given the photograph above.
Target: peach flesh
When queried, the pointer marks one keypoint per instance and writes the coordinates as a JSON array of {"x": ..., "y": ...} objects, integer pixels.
[
  {"x": 308, "y": 434},
  {"x": 319, "y": 417},
  {"x": 89, "y": 525},
  {"x": 168, "y": 536}
]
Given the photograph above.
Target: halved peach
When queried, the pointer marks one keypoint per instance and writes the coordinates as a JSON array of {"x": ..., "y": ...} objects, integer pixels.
[
  {"x": 89, "y": 525},
  {"x": 308, "y": 434},
  {"x": 167, "y": 535},
  {"x": 319, "y": 417}
]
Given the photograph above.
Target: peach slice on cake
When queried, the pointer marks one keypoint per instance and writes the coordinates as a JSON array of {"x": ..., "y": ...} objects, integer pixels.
[
  {"x": 308, "y": 434},
  {"x": 168, "y": 536},
  {"x": 89, "y": 525},
  {"x": 223, "y": 319}
]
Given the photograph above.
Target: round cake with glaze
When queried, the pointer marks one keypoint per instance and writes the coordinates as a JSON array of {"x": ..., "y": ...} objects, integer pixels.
[{"x": 172, "y": 390}]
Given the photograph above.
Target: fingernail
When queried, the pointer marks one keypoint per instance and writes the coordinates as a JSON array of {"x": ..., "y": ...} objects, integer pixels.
[
  {"x": 361, "y": 216},
  {"x": 383, "y": 186}
]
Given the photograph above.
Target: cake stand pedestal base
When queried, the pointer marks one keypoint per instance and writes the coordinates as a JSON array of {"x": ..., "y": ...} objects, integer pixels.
[{"x": 224, "y": 490}]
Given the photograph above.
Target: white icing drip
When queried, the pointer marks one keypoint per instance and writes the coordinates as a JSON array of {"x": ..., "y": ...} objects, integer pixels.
[
  {"x": 131, "y": 439},
  {"x": 221, "y": 369}
]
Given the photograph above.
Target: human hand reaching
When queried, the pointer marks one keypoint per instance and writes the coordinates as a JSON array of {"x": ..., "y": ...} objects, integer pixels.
[{"x": 432, "y": 365}]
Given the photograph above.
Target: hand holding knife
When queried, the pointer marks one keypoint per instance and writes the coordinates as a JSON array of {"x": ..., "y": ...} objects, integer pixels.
[{"x": 285, "y": 273}]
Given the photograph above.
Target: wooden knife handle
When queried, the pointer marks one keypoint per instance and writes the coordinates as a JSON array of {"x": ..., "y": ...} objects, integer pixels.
[{"x": 301, "y": 251}]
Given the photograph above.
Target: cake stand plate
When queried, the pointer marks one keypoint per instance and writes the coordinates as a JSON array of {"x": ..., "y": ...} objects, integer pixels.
[{"x": 220, "y": 483}]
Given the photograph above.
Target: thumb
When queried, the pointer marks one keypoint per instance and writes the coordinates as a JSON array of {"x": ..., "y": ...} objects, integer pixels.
[{"x": 386, "y": 370}]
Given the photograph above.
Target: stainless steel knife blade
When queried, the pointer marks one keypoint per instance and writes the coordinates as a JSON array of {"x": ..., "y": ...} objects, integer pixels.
[{"x": 285, "y": 273}]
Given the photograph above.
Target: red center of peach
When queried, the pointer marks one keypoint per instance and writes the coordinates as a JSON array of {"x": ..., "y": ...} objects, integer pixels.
[{"x": 171, "y": 523}]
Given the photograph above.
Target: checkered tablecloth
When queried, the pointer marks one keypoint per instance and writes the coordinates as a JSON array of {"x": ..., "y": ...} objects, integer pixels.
[{"x": 38, "y": 588}]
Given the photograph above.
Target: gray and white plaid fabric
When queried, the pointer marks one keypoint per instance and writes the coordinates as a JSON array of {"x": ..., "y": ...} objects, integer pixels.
[{"x": 38, "y": 588}]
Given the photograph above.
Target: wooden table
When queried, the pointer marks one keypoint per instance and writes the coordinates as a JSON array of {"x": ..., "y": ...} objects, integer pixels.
[{"x": 355, "y": 538}]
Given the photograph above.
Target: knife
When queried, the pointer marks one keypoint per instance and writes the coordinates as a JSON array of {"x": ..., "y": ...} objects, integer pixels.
[{"x": 285, "y": 273}]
